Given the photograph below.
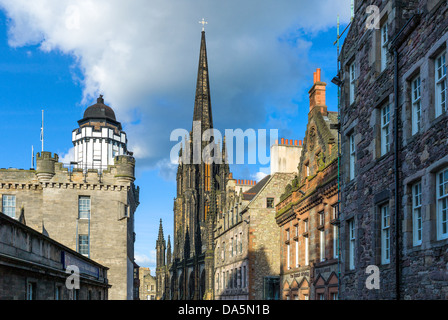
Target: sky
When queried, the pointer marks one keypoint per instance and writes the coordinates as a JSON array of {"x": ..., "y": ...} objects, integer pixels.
[{"x": 142, "y": 55}]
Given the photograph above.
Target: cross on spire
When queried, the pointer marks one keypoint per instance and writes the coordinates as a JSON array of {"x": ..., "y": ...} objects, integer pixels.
[{"x": 203, "y": 22}]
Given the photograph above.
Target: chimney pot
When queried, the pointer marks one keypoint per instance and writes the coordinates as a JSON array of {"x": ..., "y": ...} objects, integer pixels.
[
  {"x": 300, "y": 142},
  {"x": 295, "y": 142},
  {"x": 318, "y": 71},
  {"x": 290, "y": 142},
  {"x": 283, "y": 141}
]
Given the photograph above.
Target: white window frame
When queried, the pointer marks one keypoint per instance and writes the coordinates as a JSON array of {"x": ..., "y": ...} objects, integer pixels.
[
  {"x": 385, "y": 234},
  {"x": 352, "y": 75},
  {"x": 440, "y": 84},
  {"x": 351, "y": 140},
  {"x": 297, "y": 252},
  {"x": 385, "y": 129},
  {"x": 442, "y": 204},
  {"x": 84, "y": 207},
  {"x": 384, "y": 42},
  {"x": 322, "y": 245},
  {"x": 352, "y": 240},
  {"x": 417, "y": 213},
  {"x": 9, "y": 205},
  {"x": 335, "y": 242},
  {"x": 288, "y": 255},
  {"x": 307, "y": 256},
  {"x": 84, "y": 247},
  {"x": 416, "y": 105}
]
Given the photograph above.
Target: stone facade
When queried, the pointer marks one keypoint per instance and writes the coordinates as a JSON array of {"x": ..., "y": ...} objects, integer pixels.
[
  {"x": 307, "y": 212},
  {"x": 67, "y": 204},
  {"x": 247, "y": 260},
  {"x": 147, "y": 285},
  {"x": 394, "y": 143},
  {"x": 33, "y": 267}
]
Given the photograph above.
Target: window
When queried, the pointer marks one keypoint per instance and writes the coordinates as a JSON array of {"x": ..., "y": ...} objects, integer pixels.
[
  {"x": 307, "y": 170},
  {"x": 75, "y": 294},
  {"x": 352, "y": 71},
  {"x": 384, "y": 41},
  {"x": 352, "y": 156},
  {"x": 307, "y": 258},
  {"x": 31, "y": 291},
  {"x": 334, "y": 296},
  {"x": 416, "y": 105},
  {"x": 270, "y": 202},
  {"x": 306, "y": 225},
  {"x": 440, "y": 84},
  {"x": 334, "y": 212},
  {"x": 296, "y": 228},
  {"x": 84, "y": 207},
  {"x": 240, "y": 278},
  {"x": 297, "y": 252},
  {"x": 231, "y": 245},
  {"x": 89, "y": 295},
  {"x": 241, "y": 242},
  {"x": 352, "y": 238},
  {"x": 57, "y": 293},
  {"x": 417, "y": 213},
  {"x": 9, "y": 205},
  {"x": 321, "y": 218},
  {"x": 83, "y": 244},
  {"x": 244, "y": 277},
  {"x": 223, "y": 251},
  {"x": 385, "y": 234},
  {"x": 442, "y": 204},
  {"x": 320, "y": 296},
  {"x": 223, "y": 280},
  {"x": 288, "y": 251},
  {"x": 385, "y": 129},
  {"x": 287, "y": 235},
  {"x": 322, "y": 245},
  {"x": 335, "y": 242}
]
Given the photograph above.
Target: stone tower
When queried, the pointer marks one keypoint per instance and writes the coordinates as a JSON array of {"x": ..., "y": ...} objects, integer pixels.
[
  {"x": 200, "y": 194},
  {"x": 161, "y": 264}
]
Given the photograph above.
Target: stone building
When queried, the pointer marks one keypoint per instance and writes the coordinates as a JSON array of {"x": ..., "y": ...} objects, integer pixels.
[
  {"x": 90, "y": 211},
  {"x": 247, "y": 259},
  {"x": 307, "y": 210},
  {"x": 200, "y": 195},
  {"x": 395, "y": 152},
  {"x": 34, "y": 267},
  {"x": 147, "y": 285}
]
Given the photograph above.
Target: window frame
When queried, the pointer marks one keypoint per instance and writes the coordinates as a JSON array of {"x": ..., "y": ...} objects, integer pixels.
[
  {"x": 384, "y": 42},
  {"x": 417, "y": 218},
  {"x": 416, "y": 107},
  {"x": 82, "y": 213},
  {"x": 352, "y": 82},
  {"x": 442, "y": 204},
  {"x": 352, "y": 147},
  {"x": 385, "y": 234},
  {"x": 440, "y": 84},
  {"x": 385, "y": 129},
  {"x": 352, "y": 243},
  {"x": 6, "y": 208}
]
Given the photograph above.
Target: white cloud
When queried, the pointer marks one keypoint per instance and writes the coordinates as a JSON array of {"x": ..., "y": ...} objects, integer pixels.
[
  {"x": 142, "y": 55},
  {"x": 143, "y": 260},
  {"x": 66, "y": 158}
]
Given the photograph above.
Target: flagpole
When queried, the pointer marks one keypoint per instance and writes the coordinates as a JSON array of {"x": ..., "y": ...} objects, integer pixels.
[
  {"x": 32, "y": 157},
  {"x": 42, "y": 131}
]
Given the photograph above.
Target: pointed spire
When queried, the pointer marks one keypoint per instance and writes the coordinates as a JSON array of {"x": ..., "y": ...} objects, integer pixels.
[
  {"x": 202, "y": 104},
  {"x": 160, "y": 238}
]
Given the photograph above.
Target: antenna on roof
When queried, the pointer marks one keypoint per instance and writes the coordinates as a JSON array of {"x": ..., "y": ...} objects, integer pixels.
[
  {"x": 32, "y": 157},
  {"x": 42, "y": 131}
]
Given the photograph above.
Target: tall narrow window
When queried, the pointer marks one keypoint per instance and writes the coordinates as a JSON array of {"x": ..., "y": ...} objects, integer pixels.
[
  {"x": 385, "y": 129},
  {"x": 231, "y": 245},
  {"x": 307, "y": 257},
  {"x": 417, "y": 213},
  {"x": 352, "y": 71},
  {"x": 31, "y": 291},
  {"x": 244, "y": 277},
  {"x": 440, "y": 84},
  {"x": 297, "y": 252},
  {"x": 416, "y": 105},
  {"x": 9, "y": 205},
  {"x": 385, "y": 234},
  {"x": 352, "y": 155},
  {"x": 384, "y": 41},
  {"x": 241, "y": 242},
  {"x": 352, "y": 238},
  {"x": 321, "y": 218},
  {"x": 84, "y": 207},
  {"x": 83, "y": 244},
  {"x": 223, "y": 251},
  {"x": 322, "y": 245},
  {"x": 442, "y": 204},
  {"x": 335, "y": 242}
]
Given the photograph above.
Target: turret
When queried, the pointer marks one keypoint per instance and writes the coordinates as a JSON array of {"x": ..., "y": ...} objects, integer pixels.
[
  {"x": 125, "y": 168},
  {"x": 45, "y": 164}
]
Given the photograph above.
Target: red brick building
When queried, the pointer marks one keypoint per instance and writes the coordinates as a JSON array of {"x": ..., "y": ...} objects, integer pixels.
[{"x": 307, "y": 210}]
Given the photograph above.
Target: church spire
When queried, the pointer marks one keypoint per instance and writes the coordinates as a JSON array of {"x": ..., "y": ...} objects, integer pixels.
[{"x": 202, "y": 104}]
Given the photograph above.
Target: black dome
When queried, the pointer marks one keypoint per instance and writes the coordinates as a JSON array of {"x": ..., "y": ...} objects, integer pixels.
[{"x": 100, "y": 111}]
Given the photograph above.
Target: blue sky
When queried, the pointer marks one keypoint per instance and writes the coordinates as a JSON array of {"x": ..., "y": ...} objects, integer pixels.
[{"x": 261, "y": 64}]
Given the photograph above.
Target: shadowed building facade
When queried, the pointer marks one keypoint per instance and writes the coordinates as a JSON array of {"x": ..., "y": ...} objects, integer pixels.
[{"x": 200, "y": 195}]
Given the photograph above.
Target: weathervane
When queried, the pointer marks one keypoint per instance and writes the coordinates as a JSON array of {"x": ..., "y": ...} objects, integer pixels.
[{"x": 203, "y": 22}]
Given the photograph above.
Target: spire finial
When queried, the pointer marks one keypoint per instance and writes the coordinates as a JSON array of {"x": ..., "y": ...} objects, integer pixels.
[
  {"x": 100, "y": 99},
  {"x": 203, "y": 22}
]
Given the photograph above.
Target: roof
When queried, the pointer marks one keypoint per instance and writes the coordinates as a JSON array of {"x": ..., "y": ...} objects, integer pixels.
[
  {"x": 252, "y": 192},
  {"x": 99, "y": 111}
]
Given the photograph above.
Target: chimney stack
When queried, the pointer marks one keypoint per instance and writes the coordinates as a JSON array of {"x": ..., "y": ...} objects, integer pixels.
[{"x": 317, "y": 93}]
